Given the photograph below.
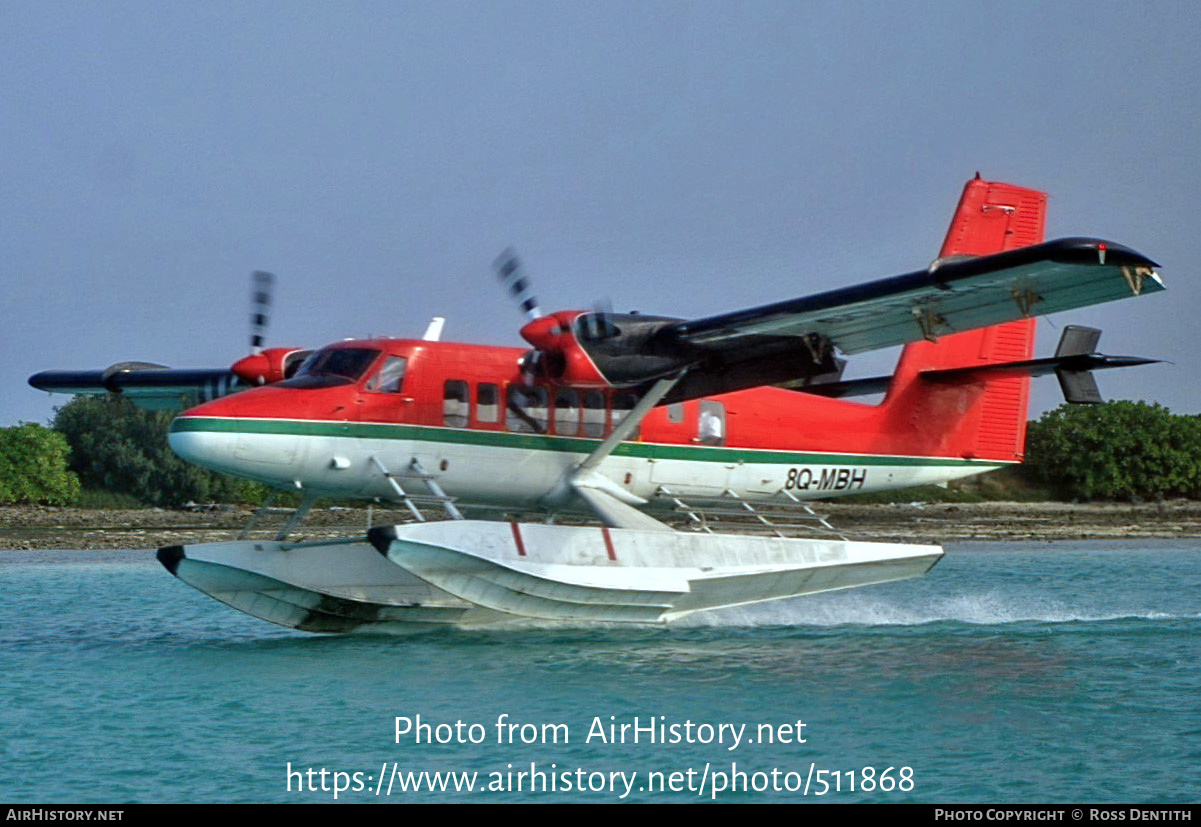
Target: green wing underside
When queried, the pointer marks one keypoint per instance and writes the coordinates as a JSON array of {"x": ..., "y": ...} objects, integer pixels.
[{"x": 948, "y": 297}]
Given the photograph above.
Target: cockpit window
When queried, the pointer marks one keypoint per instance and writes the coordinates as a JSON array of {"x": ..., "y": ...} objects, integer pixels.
[
  {"x": 390, "y": 377},
  {"x": 333, "y": 366},
  {"x": 293, "y": 361}
]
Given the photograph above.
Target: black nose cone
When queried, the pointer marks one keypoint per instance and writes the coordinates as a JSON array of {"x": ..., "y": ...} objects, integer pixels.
[{"x": 170, "y": 556}]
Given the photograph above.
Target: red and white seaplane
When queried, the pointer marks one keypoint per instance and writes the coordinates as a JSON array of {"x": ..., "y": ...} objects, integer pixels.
[{"x": 627, "y": 419}]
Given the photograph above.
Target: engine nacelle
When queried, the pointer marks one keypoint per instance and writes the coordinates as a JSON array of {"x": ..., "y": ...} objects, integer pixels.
[
  {"x": 558, "y": 356},
  {"x": 269, "y": 366},
  {"x": 602, "y": 349}
]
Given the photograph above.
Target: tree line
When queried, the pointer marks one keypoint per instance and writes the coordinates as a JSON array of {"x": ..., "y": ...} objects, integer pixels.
[
  {"x": 1120, "y": 450},
  {"x": 107, "y": 444},
  {"x": 1115, "y": 451}
]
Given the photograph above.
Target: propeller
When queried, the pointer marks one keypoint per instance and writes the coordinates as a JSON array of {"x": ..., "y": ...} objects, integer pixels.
[
  {"x": 512, "y": 276},
  {"x": 261, "y": 287},
  {"x": 264, "y": 366},
  {"x": 554, "y": 336}
]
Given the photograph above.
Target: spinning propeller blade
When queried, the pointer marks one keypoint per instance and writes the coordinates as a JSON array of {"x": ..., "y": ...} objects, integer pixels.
[
  {"x": 512, "y": 275},
  {"x": 262, "y": 285}
]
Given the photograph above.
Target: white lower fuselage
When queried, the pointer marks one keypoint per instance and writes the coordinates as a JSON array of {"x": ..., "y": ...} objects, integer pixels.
[{"x": 348, "y": 460}]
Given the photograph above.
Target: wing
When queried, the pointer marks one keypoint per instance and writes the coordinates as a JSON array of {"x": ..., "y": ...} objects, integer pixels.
[
  {"x": 159, "y": 388},
  {"x": 149, "y": 386},
  {"x": 948, "y": 297},
  {"x": 795, "y": 342}
]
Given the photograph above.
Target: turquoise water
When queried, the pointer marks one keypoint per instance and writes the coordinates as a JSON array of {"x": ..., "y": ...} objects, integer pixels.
[{"x": 1013, "y": 673}]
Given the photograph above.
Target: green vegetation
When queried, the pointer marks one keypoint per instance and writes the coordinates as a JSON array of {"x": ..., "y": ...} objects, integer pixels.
[
  {"x": 33, "y": 466},
  {"x": 118, "y": 448},
  {"x": 1117, "y": 451}
]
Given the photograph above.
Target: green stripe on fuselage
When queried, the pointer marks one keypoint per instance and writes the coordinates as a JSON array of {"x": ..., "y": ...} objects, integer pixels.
[{"x": 561, "y": 444}]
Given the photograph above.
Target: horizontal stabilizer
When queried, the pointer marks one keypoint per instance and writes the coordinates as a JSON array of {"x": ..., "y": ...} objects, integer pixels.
[
  {"x": 1078, "y": 386},
  {"x": 1073, "y": 363}
]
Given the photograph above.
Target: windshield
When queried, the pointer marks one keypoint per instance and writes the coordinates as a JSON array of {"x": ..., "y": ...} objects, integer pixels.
[{"x": 333, "y": 366}]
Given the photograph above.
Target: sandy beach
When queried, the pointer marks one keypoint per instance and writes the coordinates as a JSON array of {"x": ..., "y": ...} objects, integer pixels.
[{"x": 27, "y": 527}]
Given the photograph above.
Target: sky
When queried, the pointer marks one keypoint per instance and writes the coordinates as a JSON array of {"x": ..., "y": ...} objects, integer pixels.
[{"x": 684, "y": 159}]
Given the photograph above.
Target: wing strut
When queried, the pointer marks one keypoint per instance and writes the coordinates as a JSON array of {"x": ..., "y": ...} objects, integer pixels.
[
  {"x": 631, "y": 421},
  {"x": 615, "y": 506}
]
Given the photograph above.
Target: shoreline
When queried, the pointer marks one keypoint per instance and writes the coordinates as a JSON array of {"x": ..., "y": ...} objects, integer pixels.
[{"x": 48, "y": 527}]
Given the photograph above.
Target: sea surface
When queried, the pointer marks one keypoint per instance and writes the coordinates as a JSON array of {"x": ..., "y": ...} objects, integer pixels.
[{"x": 1012, "y": 673}]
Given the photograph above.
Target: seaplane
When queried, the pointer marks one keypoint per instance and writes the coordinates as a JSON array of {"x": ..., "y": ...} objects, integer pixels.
[{"x": 632, "y": 439}]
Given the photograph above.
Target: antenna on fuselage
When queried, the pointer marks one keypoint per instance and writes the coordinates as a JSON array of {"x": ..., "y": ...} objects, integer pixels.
[{"x": 433, "y": 333}]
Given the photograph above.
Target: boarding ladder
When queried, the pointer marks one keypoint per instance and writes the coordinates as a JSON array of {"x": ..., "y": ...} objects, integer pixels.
[
  {"x": 784, "y": 516},
  {"x": 436, "y": 495}
]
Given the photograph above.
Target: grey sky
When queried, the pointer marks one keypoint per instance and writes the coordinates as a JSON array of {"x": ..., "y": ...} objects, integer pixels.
[{"x": 677, "y": 158}]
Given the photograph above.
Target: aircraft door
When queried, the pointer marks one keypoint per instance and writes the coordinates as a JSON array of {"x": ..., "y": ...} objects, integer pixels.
[
  {"x": 382, "y": 398},
  {"x": 711, "y": 423},
  {"x": 698, "y": 475}
]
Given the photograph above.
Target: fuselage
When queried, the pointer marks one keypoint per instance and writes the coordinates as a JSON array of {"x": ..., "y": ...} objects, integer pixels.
[{"x": 466, "y": 415}]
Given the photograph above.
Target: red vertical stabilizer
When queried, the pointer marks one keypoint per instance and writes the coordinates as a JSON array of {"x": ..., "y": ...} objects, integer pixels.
[{"x": 980, "y": 419}]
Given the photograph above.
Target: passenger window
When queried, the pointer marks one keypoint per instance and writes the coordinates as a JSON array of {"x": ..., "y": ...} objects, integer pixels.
[
  {"x": 526, "y": 409},
  {"x": 567, "y": 412},
  {"x": 594, "y": 414},
  {"x": 390, "y": 377},
  {"x": 675, "y": 413},
  {"x": 487, "y": 398},
  {"x": 456, "y": 407}
]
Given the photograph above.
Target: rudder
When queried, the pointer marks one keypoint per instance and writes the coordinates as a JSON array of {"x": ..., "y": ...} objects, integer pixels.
[{"x": 982, "y": 420}]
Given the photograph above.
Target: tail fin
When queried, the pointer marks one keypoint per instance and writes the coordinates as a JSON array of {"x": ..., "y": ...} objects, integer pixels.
[
  {"x": 977, "y": 419},
  {"x": 993, "y": 217}
]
